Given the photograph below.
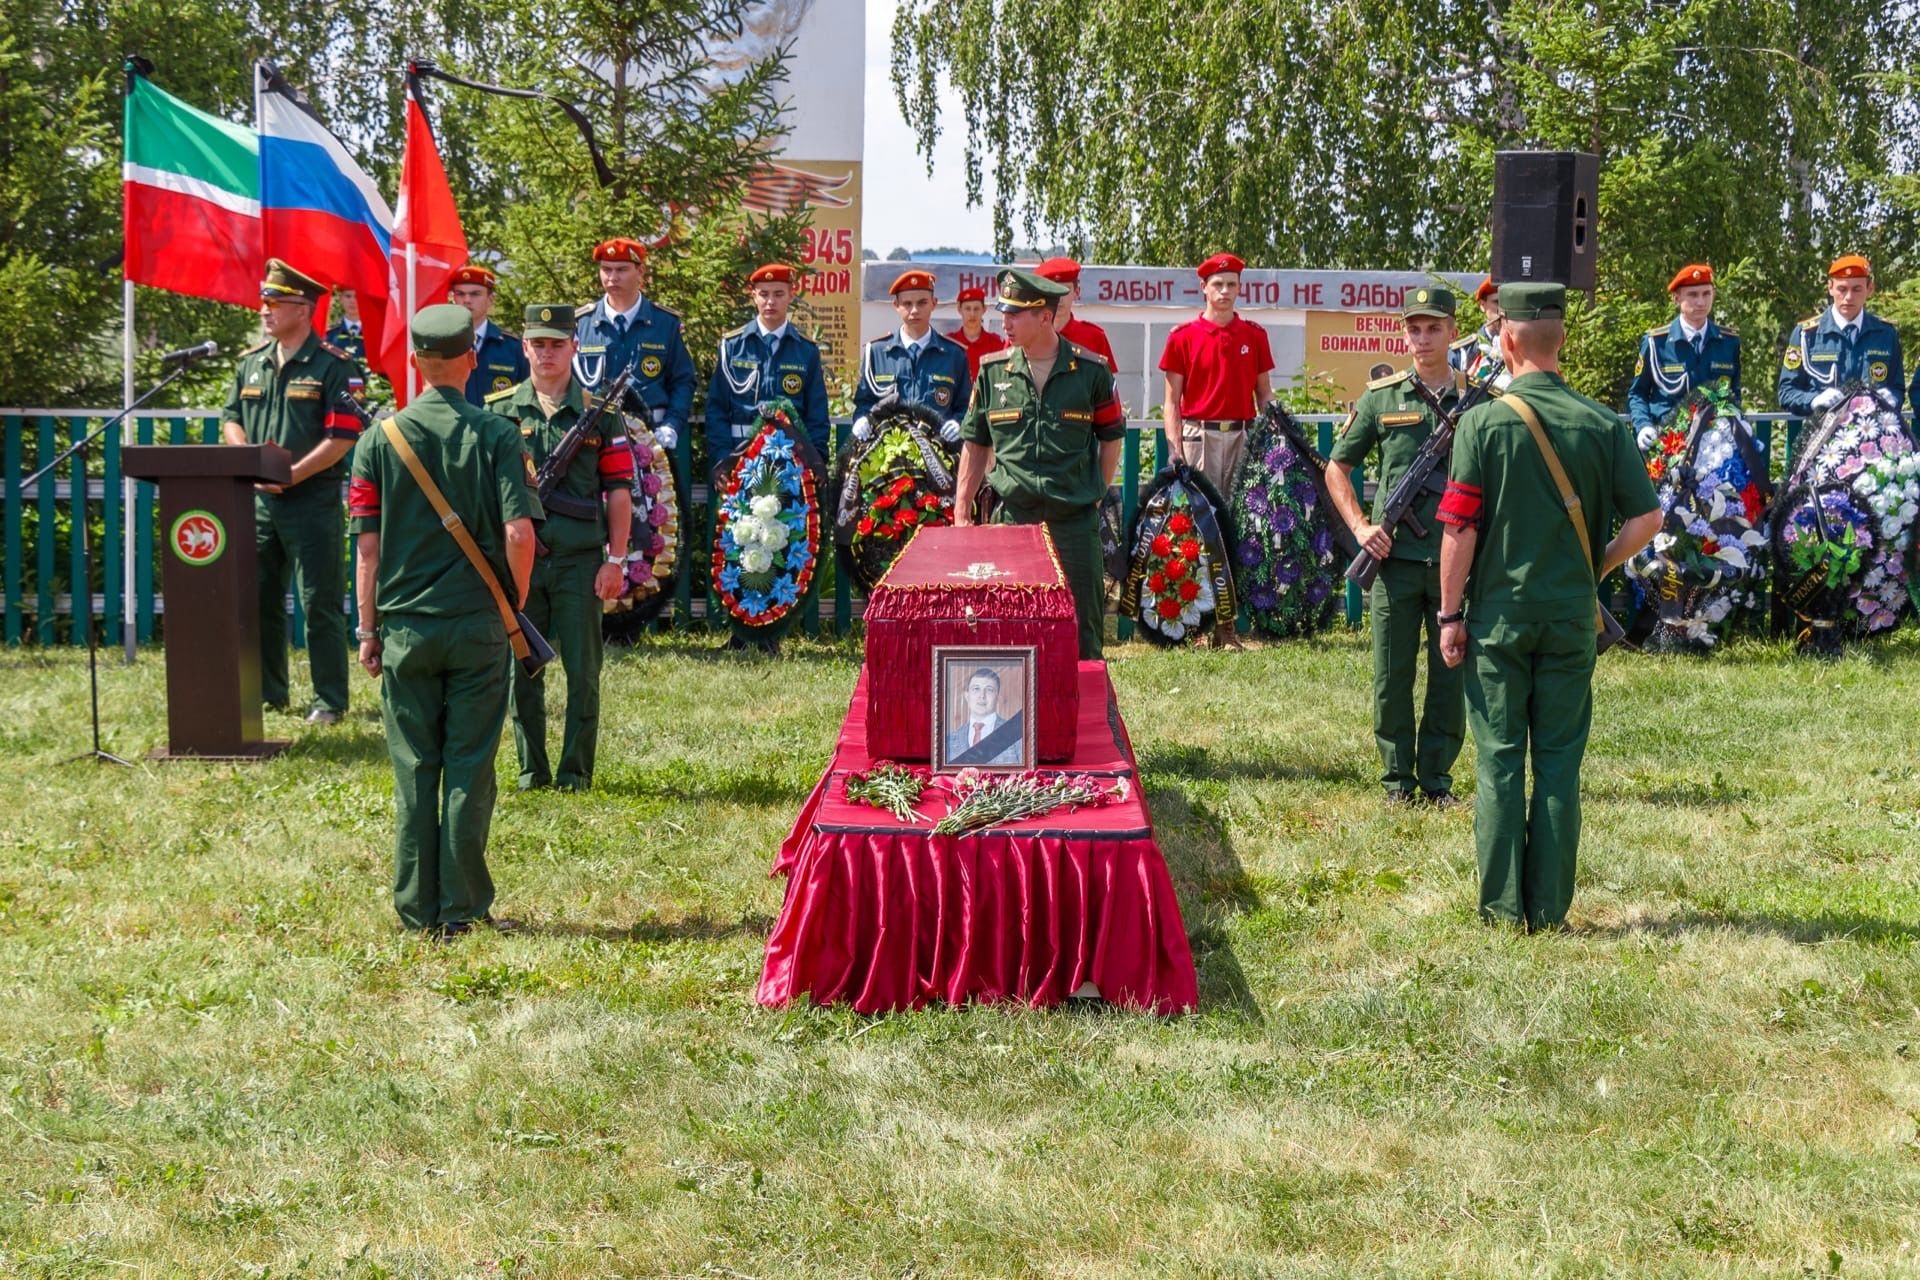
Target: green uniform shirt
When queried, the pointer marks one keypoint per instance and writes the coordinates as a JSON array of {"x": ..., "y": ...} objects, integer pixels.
[
  {"x": 1392, "y": 416},
  {"x": 540, "y": 435},
  {"x": 1527, "y": 565},
  {"x": 1045, "y": 461},
  {"x": 476, "y": 459},
  {"x": 296, "y": 406}
]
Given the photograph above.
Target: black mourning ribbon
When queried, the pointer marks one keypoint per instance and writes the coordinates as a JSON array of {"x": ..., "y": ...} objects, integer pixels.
[{"x": 1010, "y": 732}]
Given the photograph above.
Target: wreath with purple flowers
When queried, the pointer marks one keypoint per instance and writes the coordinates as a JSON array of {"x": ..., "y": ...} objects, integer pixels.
[{"x": 1285, "y": 557}]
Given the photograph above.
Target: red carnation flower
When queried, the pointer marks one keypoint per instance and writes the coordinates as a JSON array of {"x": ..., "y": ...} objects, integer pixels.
[
  {"x": 865, "y": 526},
  {"x": 928, "y": 501},
  {"x": 1163, "y": 546},
  {"x": 1168, "y": 609},
  {"x": 1189, "y": 590},
  {"x": 1157, "y": 584},
  {"x": 1751, "y": 501},
  {"x": 1709, "y": 546},
  {"x": 903, "y": 484},
  {"x": 885, "y": 502},
  {"x": 1180, "y": 522},
  {"x": 909, "y": 518},
  {"x": 1176, "y": 569},
  {"x": 1190, "y": 550}
]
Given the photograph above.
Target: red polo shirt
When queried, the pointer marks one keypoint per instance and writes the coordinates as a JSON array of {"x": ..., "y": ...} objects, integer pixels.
[
  {"x": 988, "y": 343},
  {"x": 1083, "y": 333},
  {"x": 1221, "y": 363}
]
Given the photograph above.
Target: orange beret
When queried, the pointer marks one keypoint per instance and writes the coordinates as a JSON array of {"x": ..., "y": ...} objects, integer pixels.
[
  {"x": 772, "y": 273},
  {"x": 1059, "y": 270},
  {"x": 915, "y": 279},
  {"x": 1220, "y": 262},
  {"x": 1486, "y": 290},
  {"x": 473, "y": 273},
  {"x": 620, "y": 249},
  {"x": 1691, "y": 274},
  {"x": 971, "y": 295},
  {"x": 1850, "y": 266}
]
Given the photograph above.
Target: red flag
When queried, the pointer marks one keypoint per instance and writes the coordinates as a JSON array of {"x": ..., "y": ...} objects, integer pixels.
[{"x": 426, "y": 222}]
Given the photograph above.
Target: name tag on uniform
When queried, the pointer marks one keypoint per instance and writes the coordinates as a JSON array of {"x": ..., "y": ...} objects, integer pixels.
[
  {"x": 1402, "y": 419},
  {"x": 1000, "y": 417},
  {"x": 653, "y": 346},
  {"x": 941, "y": 377},
  {"x": 252, "y": 393},
  {"x": 1072, "y": 415}
]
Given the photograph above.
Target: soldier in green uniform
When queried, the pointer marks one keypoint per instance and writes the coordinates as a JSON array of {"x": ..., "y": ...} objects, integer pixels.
[
  {"x": 1518, "y": 601},
  {"x": 1396, "y": 419},
  {"x": 585, "y": 542},
  {"x": 430, "y": 625},
  {"x": 1044, "y": 429},
  {"x": 288, "y": 391}
]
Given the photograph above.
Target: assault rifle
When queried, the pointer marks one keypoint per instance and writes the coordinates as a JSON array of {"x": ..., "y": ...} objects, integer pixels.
[
  {"x": 1427, "y": 474},
  {"x": 546, "y": 480}
]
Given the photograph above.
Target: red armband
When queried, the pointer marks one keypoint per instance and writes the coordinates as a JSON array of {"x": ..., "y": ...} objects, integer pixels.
[
  {"x": 362, "y": 498},
  {"x": 616, "y": 464},
  {"x": 339, "y": 425},
  {"x": 1460, "y": 505}
]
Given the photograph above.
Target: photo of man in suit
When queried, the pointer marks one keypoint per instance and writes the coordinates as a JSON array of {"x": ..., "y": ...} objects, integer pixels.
[{"x": 979, "y": 722}]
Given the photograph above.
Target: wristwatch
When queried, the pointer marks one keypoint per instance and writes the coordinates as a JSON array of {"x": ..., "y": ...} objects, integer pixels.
[
  {"x": 1448, "y": 619},
  {"x": 618, "y": 562},
  {"x": 363, "y": 635}
]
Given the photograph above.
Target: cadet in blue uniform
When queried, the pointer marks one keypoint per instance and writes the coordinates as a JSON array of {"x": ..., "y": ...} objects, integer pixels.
[
  {"x": 626, "y": 328},
  {"x": 345, "y": 332},
  {"x": 1690, "y": 351},
  {"x": 924, "y": 367},
  {"x": 499, "y": 357},
  {"x": 1844, "y": 343},
  {"x": 766, "y": 359}
]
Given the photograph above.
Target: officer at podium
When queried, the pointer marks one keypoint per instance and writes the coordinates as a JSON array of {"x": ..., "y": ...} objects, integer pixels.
[{"x": 289, "y": 391}]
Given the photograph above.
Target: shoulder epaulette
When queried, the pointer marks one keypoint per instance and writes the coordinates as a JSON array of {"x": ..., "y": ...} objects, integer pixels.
[
  {"x": 1727, "y": 329},
  {"x": 1658, "y": 330},
  {"x": 668, "y": 312},
  {"x": 1811, "y": 322},
  {"x": 1391, "y": 380},
  {"x": 338, "y": 353},
  {"x": 1078, "y": 352},
  {"x": 996, "y": 357},
  {"x": 510, "y": 337},
  {"x": 1461, "y": 344},
  {"x": 584, "y": 310},
  {"x": 258, "y": 347}
]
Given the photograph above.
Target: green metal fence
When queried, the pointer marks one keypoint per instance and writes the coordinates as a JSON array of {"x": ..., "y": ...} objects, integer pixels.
[{"x": 44, "y": 560}]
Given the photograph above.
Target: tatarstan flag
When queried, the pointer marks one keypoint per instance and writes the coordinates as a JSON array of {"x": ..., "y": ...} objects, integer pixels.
[{"x": 190, "y": 192}]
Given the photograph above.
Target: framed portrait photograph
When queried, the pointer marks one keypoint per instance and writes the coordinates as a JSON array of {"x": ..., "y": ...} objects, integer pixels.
[{"x": 982, "y": 707}]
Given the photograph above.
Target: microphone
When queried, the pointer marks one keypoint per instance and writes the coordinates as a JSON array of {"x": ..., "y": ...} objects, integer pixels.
[
  {"x": 343, "y": 399},
  {"x": 187, "y": 355}
]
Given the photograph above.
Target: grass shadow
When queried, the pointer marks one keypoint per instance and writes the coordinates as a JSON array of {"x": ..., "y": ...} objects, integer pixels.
[
  {"x": 695, "y": 929},
  {"x": 1808, "y": 930},
  {"x": 1213, "y": 887},
  {"x": 334, "y": 747},
  {"x": 1202, "y": 762},
  {"x": 711, "y": 646},
  {"x": 681, "y": 781}
]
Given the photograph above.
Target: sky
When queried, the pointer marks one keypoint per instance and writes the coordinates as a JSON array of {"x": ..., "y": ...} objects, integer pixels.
[{"x": 903, "y": 206}]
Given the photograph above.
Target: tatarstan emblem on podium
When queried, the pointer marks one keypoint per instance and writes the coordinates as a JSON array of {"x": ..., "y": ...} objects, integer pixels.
[{"x": 198, "y": 537}]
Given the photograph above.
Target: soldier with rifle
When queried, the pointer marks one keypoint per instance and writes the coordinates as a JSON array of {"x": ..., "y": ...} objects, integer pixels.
[
  {"x": 1408, "y": 418},
  {"x": 583, "y": 477}
]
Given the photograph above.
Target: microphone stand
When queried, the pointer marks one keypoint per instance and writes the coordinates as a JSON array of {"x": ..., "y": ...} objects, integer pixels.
[{"x": 82, "y": 592}]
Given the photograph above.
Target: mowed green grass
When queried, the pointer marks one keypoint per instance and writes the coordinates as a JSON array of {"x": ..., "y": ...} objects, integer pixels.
[{"x": 220, "y": 1057}]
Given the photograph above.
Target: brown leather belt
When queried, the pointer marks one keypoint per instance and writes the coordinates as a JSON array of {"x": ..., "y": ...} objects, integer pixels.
[{"x": 1212, "y": 424}]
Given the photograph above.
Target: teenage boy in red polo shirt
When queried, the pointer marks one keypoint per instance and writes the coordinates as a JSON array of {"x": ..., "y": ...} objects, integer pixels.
[
  {"x": 973, "y": 335},
  {"x": 1219, "y": 372},
  {"x": 1081, "y": 333}
]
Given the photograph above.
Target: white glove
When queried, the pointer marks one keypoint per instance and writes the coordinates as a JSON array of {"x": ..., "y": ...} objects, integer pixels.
[
  {"x": 862, "y": 428},
  {"x": 659, "y": 416},
  {"x": 950, "y": 431},
  {"x": 666, "y": 437},
  {"x": 1826, "y": 399},
  {"x": 1648, "y": 434},
  {"x": 1888, "y": 397}
]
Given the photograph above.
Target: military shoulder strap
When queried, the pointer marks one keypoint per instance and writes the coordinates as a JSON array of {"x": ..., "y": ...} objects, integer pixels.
[
  {"x": 1390, "y": 380},
  {"x": 457, "y": 530},
  {"x": 258, "y": 347},
  {"x": 995, "y": 357},
  {"x": 1568, "y": 497}
]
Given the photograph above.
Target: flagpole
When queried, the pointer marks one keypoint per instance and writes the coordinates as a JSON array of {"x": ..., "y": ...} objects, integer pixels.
[
  {"x": 413, "y": 262},
  {"x": 129, "y": 626}
]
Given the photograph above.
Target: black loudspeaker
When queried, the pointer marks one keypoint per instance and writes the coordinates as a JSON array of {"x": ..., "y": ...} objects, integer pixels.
[{"x": 1546, "y": 207}]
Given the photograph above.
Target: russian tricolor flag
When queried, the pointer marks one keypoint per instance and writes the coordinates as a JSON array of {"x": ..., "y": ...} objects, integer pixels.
[{"x": 319, "y": 210}]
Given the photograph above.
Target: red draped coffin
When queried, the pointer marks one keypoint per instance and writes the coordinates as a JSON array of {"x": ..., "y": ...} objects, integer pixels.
[
  {"x": 886, "y": 915},
  {"x": 988, "y": 585}
]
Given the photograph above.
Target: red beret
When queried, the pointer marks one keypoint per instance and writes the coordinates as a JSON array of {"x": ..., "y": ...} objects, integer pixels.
[
  {"x": 1850, "y": 266},
  {"x": 473, "y": 273},
  {"x": 1059, "y": 270},
  {"x": 772, "y": 273},
  {"x": 1220, "y": 262},
  {"x": 915, "y": 279},
  {"x": 971, "y": 295},
  {"x": 1691, "y": 274},
  {"x": 1485, "y": 291},
  {"x": 620, "y": 249}
]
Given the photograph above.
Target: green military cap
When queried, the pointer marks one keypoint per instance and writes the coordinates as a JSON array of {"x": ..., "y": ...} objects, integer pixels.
[
  {"x": 284, "y": 284},
  {"x": 1533, "y": 300},
  {"x": 444, "y": 330},
  {"x": 548, "y": 320},
  {"x": 1428, "y": 300},
  {"x": 1022, "y": 290}
]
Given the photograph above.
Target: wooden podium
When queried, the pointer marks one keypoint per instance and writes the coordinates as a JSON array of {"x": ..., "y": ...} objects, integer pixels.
[{"x": 211, "y": 579}]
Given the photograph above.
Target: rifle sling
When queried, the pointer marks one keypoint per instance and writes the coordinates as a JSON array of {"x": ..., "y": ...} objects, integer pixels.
[
  {"x": 457, "y": 530},
  {"x": 1568, "y": 498}
]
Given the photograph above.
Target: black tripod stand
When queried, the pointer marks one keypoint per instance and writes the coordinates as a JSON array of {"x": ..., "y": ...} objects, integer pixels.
[{"x": 82, "y": 592}]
